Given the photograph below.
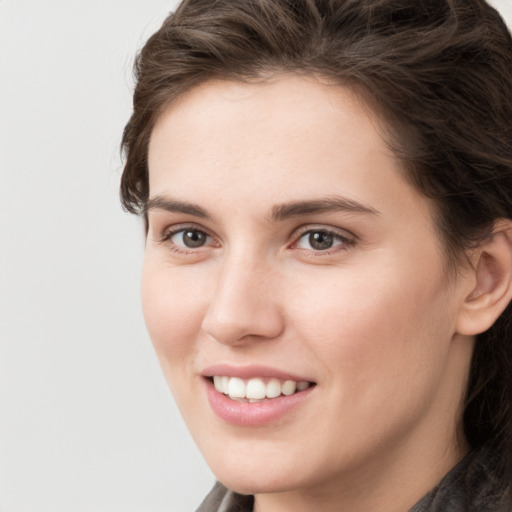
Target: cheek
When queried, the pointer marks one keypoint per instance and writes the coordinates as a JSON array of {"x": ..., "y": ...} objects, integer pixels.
[
  {"x": 379, "y": 356},
  {"x": 377, "y": 331},
  {"x": 173, "y": 311}
]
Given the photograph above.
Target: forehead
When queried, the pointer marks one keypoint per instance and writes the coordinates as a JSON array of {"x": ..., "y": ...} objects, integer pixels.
[
  {"x": 290, "y": 138},
  {"x": 287, "y": 102}
]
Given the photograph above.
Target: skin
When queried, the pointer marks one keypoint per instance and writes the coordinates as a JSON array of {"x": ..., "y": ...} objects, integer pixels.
[{"x": 373, "y": 320}]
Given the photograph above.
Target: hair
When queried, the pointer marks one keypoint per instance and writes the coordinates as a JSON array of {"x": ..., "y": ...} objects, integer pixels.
[{"x": 440, "y": 74}]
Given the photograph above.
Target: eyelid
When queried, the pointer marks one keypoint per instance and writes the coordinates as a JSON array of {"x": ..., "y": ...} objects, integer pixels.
[
  {"x": 306, "y": 228},
  {"x": 345, "y": 236},
  {"x": 170, "y": 231}
]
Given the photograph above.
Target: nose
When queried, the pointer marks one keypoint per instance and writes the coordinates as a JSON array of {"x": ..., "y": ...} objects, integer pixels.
[{"x": 244, "y": 305}]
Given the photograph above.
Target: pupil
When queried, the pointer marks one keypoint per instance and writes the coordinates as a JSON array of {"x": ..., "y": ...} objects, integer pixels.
[
  {"x": 193, "y": 238},
  {"x": 320, "y": 241}
]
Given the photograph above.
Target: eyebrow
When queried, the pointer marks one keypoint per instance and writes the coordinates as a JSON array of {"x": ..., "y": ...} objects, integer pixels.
[
  {"x": 279, "y": 212},
  {"x": 326, "y": 205},
  {"x": 174, "y": 206}
]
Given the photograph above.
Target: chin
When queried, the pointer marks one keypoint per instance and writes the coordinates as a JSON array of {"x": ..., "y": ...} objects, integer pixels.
[
  {"x": 256, "y": 483},
  {"x": 261, "y": 472}
]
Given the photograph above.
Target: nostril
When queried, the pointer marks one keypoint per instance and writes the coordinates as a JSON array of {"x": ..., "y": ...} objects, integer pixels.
[{"x": 240, "y": 313}]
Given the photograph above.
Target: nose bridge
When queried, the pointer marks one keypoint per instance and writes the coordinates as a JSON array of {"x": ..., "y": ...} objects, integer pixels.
[{"x": 244, "y": 303}]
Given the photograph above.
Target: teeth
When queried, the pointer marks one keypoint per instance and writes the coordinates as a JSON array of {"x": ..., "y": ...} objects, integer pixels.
[
  {"x": 225, "y": 384},
  {"x": 236, "y": 388},
  {"x": 301, "y": 386},
  {"x": 221, "y": 384},
  {"x": 289, "y": 387},
  {"x": 256, "y": 390},
  {"x": 217, "y": 382},
  {"x": 273, "y": 388}
]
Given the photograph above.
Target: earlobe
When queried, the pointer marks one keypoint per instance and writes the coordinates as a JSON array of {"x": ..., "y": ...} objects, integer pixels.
[{"x": 491, "y": 279}]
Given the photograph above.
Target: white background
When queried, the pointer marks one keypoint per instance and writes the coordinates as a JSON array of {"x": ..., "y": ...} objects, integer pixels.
[{"x": 86, "y": 421}]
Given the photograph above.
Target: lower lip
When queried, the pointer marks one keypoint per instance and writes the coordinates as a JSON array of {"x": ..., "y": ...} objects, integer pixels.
[{"x": 256, "y": 413}]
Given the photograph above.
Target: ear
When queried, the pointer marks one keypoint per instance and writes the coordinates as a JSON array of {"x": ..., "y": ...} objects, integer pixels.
[{"x": 491, "y": 281}]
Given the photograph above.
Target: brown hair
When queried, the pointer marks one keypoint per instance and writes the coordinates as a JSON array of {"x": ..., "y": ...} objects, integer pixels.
[{"x": 439, "y": 70}]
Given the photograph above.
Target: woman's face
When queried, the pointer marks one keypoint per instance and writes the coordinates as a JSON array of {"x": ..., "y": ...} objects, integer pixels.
[{"x": 285, "y": 245}]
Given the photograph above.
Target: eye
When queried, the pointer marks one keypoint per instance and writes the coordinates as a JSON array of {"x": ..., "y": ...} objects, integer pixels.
[
  {"x": 319, "y": 240},
  {"x": 188, "y": 238}
]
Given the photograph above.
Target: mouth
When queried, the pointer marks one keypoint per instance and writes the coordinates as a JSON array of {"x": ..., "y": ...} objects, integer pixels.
[
  {"x": 257, "y": 389},
  {"x": 254, "y": 395}
]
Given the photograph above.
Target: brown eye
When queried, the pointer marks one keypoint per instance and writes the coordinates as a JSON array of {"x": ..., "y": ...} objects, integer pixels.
[
  {"x": 319, "y": 240},
  {"x": 190, "y": 238}
]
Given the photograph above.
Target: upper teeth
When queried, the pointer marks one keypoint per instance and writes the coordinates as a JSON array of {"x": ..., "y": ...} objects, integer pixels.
[{"x": 256, "y": 388}]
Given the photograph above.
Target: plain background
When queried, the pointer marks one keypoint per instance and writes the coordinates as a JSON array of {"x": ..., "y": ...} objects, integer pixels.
[{"x": 86, "y": 421}]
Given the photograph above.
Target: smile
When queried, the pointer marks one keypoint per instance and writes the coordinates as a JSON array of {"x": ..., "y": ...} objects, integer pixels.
[
  {"x": 257, "y": 389},
  {"x": 250, "y": 401}
]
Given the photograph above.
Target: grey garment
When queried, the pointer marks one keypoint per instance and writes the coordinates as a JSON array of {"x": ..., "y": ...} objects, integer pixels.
[{"x": 471, "y": 486}]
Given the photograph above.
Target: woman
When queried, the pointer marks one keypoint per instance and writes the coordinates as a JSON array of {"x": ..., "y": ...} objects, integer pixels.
[{"x": 327, "y": 190}]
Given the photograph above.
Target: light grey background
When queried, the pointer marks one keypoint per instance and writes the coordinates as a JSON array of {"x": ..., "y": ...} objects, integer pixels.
[{"x": 86, "y": 421}]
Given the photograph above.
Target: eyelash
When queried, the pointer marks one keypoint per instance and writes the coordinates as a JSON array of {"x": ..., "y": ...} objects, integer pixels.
[
  {"x": 169, "y": 234},
  {"x": 344, "y": 241}
]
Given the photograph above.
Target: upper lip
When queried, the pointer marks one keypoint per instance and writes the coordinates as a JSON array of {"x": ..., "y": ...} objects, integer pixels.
[{"x": 251, "y": 371}]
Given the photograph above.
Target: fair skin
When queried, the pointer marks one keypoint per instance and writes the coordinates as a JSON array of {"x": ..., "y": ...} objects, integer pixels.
[{"x": 347, "y": 291}]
